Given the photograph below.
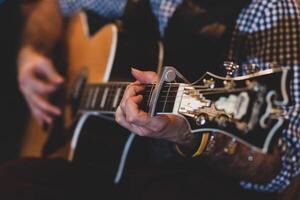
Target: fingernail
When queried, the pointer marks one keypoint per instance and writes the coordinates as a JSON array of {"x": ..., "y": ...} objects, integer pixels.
[
  {"x": 58, "y": 112},
  {"x": 135, "y": 70},
  {"x": 60, "y": 79}
]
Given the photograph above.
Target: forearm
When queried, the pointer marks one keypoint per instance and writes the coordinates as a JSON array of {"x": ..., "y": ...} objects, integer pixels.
[
  {"x": 237, "y": 160},
  {"x": 43, "y": 27},
  {"x": 233, "y": 158}
]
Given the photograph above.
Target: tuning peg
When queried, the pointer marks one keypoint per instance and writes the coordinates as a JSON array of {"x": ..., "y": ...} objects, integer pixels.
[
  {"x": 231, "y": 68},
  {"x": 272, "y": 65},
  {"x": 222, "y": 120},
  {"x": 201, "y": 119},
  {"x": 251, "y": 68}
]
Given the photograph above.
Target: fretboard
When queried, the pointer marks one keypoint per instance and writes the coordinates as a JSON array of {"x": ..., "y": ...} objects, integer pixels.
[{"x": 106, "y": 97}]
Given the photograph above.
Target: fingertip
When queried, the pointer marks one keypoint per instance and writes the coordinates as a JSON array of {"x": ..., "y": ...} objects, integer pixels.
[
  {"x": 147, "y": 77},
  {"x": 48, "y": 120},
  {"x": 135, "y": 72},
  {"x": 140, "y": 97},
  {"x": 58, "y": 79},
  {"x": 57, "y": 112}
]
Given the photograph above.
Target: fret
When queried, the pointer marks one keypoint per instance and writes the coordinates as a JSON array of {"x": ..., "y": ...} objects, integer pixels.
[
  {"x": 90, "y": 95},
  {"x": 95, "y": 97},
  {"x": 116, "y": 99},
  {"x": 161, "y": 99},
  {"x": 104, "y": 97},
  {"x": 110, "y": 98},
  {"x": 99, "y": 97},
  {"x": 122, "y": 91},
  {"x": 150, "y": 94},
  {"x": 167, "y": 97},
  {"x": 84, "y": 98},
  {"x": 171, "y": 99}
]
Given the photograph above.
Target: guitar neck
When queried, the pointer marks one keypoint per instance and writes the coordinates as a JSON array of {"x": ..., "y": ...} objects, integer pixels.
[{"x": 104, "y": 98}]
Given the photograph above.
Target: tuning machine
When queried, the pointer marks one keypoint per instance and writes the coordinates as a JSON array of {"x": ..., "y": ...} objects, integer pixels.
[
  {"x": 222, "y": 120},
  {"x": 209, "y": 83},
  {"x": 201, "y": 119},
  {"x": 231, "y": 68},
  {"x": 251, "y": 69}
]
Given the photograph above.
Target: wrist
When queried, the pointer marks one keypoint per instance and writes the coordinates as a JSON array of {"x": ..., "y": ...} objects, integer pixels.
[
  {"x": 28, "y": 50},
  {"x": 195, "y": 148}
]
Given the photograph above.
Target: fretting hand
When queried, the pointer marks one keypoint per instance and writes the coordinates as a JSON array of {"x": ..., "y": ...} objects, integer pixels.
[{"x": 169, "y": 127}]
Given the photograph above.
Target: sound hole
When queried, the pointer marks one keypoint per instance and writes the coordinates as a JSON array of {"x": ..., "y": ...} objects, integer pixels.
[{"x": 77, "y": 88}]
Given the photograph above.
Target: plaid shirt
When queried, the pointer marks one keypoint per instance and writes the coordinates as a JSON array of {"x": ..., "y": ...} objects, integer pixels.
[{"x": 266, "y": 31}]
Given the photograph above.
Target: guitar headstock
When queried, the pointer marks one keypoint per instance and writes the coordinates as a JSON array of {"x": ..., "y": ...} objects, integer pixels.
[{"x": 249, "y": 108}]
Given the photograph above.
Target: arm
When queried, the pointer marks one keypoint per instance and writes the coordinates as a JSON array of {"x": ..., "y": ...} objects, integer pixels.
[
  {"x": 242, "y": 163},
  {"x": 44, "y": 27},
  {"x": 36, "y": 73},
  {"x": 176, "y": 130},
  {"x": 274, "y": 37}
]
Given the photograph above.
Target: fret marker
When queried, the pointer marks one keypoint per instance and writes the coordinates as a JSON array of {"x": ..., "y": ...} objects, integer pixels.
[
  {"x": 115, "y": 104},
  {"x": 104, "y": 97},
  {"x": 95, "y": 97},
  {"x": 89, "y": 98}
]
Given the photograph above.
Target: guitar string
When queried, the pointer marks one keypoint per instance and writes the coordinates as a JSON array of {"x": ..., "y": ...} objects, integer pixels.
[{"x": 212, "y": 91}]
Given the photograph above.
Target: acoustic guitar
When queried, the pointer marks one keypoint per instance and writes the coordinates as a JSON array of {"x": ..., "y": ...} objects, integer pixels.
[{"x": 249, "y": 108}]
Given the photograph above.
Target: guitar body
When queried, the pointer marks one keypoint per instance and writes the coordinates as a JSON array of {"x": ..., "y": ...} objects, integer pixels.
[{"x": 89, "y": 57}]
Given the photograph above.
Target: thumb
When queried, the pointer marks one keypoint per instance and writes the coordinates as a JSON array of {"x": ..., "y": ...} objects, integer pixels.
[
  {"x": 144, "y": 76},
  {"x": 47, "y": 69}
]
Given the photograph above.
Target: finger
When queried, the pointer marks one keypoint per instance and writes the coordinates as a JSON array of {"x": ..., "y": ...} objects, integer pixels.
[
  {"x": 42, "y": 117},
  {"x": 44, "y": 105},
  {"x": 47, "y": 69},
  {"x": 140, "y": 119},
  {"x": 132, "y": 112},
  {"x": 132, "y": 90},
  {"x": 141, "y": 131},
  {"x": 147, "y": 77},
  {"x": 121, "y": 119},
  {"x": 32, "y": 85},
  {"x": 39, "y": 115}
]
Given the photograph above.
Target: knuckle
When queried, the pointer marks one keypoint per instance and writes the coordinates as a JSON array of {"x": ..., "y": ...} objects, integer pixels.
[
  {"x": 127, "y": 88},
  {"x": 123, "y": 104},
  {"x": 22, "y": 88},
  {"x": 118, "y": 119},
  {"x": 156, "y": 128},
  {"x": 22, "y": 84},
  {"x": 43, "y": 105},
  {"x": 131, "y": 119},
  {"x": 144, "y": 133},
  {"x": 36, "y": 113}
]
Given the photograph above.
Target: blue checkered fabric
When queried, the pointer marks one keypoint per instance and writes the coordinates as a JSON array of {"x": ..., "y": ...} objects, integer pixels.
[
  {"x": 113, "y": 9},
  {"x": 270, "y": 33},
  {"x": 267, "y": 31}
]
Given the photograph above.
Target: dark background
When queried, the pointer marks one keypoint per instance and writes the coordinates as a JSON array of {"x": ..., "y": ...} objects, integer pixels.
[{"x": 13, "y": 109}]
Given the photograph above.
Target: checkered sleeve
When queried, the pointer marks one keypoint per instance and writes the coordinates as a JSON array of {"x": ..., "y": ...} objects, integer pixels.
[
  {"x": 268, "y": 31},
  {"x": 111, "y": 9}
]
